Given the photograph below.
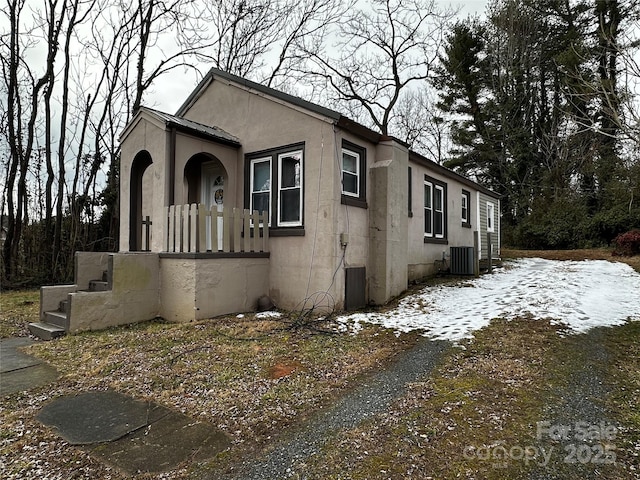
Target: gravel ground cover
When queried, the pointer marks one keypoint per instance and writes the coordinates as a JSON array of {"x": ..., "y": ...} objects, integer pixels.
[
  {"x": 290, "y": 454},
  {"x": 493, "y": 410}
]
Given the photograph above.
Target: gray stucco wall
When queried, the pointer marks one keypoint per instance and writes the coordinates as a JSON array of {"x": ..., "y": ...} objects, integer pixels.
[
  {"x": 425, "y": 258},
  {"x": 199, "y": 288},
  {"x": 388, "y": 222},
  {"x": 299, "y": 265}
]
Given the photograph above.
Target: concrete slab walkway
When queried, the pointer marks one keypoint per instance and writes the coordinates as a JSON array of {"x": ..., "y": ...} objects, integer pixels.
[
  {"x": 94, "y": 417},
  {"x": 19, "y": 371},
  {"x": 132, "y": 435}
]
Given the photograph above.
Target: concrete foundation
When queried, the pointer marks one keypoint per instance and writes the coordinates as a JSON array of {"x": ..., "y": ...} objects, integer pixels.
[
  {"x": 197, "y": 288},
  {"x": 142, "y": 286}
]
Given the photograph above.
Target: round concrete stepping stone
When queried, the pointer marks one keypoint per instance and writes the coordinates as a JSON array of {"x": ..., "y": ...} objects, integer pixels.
[{"x": 94, "y": 417}]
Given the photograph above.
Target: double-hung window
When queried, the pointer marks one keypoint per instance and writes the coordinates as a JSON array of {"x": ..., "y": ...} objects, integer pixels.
[
  {"x": 428, "y": 209},
  {"x": 350, "y": 173},
  {"x": 274, "y": 183},
  {"x": 466, "y": 208},
  {"x": 261, "y": 185},
  {"x": 353, "y": 168},
  {"x": 290, "y": 189},
  {"x": 435, "y": 215}
]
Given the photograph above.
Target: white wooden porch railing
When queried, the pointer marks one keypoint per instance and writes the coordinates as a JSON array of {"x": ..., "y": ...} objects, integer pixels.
[{"x": 187, "y": 229}]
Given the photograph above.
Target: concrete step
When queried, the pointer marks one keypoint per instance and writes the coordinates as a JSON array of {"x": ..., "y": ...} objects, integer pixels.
[
  {"x": 98, "y": 286},
  {"x": 63, "y": 306},
  {"x": 46, "y": 331},
  {"x": 59, "y": 319}
]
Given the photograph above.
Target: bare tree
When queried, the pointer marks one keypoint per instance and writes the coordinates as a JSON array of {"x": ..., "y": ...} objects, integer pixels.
[
  {"x": 418, "y": 122},
  {"x": 63, "y": 113},
  {"x": 383, "y": 48},
  {"x": 261, "y": 39},
  {"x": 22, "y": 86},
  {"x": 305, "y": 30}
]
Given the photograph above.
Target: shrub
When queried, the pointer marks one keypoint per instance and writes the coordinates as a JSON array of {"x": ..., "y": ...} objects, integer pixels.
[
  {"x": 560, "y": 224},
  {"x": 627, "y": 243},
  {"x": 608, "y": 223}
]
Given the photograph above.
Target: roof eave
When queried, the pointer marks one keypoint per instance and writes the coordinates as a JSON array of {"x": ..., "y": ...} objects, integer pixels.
[
  {"x": 197, "y": 133},
  {"x": 418, "y": 158}
]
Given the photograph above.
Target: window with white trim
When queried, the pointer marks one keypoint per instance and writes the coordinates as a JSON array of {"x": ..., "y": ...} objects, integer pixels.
[
  {"x": 261, "y": 185},
  {"x": 490, "y": 217},
  {"x": 350, "y": 173},
  {"x": 428, "y": 209},
  {"x": 438, "y": 211},
  {"x": 353, "y": 168},
  {"x": 435, "y": 215},
  {"x": 466, "y": 208},
  {"x": 290, "y": 189},
  {"x": 274, "y": 183}
]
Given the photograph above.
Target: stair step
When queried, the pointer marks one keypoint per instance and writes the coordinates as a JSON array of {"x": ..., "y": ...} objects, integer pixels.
[
  {"x": 59, "y": 319},
  {"x": 98, "y": 286},
  {"x": 63, "y": 306},
  {"x": 46, "y": 331}
]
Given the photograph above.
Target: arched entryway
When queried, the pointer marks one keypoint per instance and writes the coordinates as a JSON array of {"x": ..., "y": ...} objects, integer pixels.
[
  {"x": 140, "y": 163},
  {"x": 205, "y": 178}
]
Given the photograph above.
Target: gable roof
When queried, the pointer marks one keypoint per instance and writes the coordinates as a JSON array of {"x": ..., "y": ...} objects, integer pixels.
[
  {"x": 340, "y": 120},
  {"x": 187, "y": 126},
  {"x": 447, "y": 172},
  {"x": 214, "y": 73},
  {"x": 199, "y": 129}
]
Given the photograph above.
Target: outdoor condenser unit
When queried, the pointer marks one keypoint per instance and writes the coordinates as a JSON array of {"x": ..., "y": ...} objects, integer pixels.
[{"x": 461, "y": 261}]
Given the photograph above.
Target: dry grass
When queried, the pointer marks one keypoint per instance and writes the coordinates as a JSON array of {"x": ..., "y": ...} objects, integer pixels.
[
  {"x": 623, "y": 345},
  {"x": 577, "y": 255},
  {"x": 220, "y": 371},
  {"x": 490, "y": 394},
  {"x": 17, "y": 309}
]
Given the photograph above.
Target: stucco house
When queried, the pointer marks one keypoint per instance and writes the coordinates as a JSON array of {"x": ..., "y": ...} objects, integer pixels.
[{"x": 247, "y": 191}]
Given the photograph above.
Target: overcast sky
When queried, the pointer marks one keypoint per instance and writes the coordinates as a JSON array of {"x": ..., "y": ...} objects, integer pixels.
[
  {"x": 467, "y": 6},
  {"x": 170, "y": 91}
]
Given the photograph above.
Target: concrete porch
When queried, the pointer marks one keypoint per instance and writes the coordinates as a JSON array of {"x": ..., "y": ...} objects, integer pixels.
[{"x": 183, "y": 283}]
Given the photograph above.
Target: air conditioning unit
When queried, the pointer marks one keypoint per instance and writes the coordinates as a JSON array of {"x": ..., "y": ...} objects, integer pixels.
[{"x": 461, "y": 261}]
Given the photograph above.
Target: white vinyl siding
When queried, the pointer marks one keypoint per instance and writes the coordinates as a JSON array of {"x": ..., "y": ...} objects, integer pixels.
[{"x": 485, "y": 206}]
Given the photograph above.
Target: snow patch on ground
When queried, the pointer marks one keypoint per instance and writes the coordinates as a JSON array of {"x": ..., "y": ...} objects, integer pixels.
[
  {"x": 578, "y": 294},
  {"x": 268, "y": 314}
]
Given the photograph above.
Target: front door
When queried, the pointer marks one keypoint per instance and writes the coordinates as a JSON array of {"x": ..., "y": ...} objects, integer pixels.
[{"x": 212, "y": 188}]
